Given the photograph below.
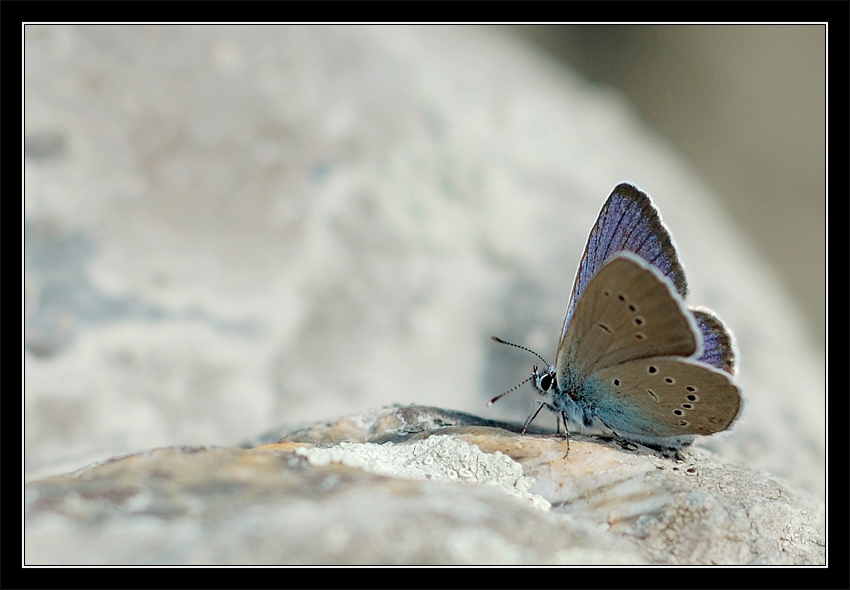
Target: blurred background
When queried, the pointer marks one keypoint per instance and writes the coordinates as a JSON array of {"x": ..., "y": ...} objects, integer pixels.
[
  {"x": 746, "y": 105},
  {"x": 233, "y": 229}
]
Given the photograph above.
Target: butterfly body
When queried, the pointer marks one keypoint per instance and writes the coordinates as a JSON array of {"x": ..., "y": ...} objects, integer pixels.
[{"x": 633, "y": 360}]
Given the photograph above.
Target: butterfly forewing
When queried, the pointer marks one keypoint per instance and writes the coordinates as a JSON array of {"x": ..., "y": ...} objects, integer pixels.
[
  {"x": 628, "y": 221},
  {"x": 667, "y": 397},
  {"x": 628, "y": 311}
]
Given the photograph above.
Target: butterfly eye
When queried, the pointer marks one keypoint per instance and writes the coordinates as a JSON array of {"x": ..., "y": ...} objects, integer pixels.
[{"x": 546, "y": 382}]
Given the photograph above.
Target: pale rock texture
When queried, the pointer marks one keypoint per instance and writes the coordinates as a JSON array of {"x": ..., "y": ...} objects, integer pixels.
[{"x": 419, "y": 485}]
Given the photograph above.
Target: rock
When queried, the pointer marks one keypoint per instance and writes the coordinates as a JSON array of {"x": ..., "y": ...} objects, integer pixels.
[{"x": 419, "y": 485}]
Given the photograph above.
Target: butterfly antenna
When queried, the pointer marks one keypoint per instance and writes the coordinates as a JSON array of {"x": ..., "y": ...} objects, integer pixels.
[
  {"x": 500, "y": 341},
  {"x": 518, "y": 385},
  {"x": 515, "y": 387}
]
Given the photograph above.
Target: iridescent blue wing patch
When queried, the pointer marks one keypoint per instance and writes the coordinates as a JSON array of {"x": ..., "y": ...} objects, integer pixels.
[{"x": 718, "y": 343}]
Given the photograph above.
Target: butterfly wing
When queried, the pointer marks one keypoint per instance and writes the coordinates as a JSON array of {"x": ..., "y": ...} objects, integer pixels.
[
  {"x": 718, "y": 342},
  {"x": 633, "y": 355},
  {"x": 628, "y": 311},
  {"x": 628, "y": 221},
  {"x": 666, "y": 398}
]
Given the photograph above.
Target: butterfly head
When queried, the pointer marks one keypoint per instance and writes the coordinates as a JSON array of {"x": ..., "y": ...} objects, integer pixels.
[{"x": 544, "y": 382}]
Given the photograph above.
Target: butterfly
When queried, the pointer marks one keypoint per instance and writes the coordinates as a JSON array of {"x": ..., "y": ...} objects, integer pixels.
[{"x": 633, "y": 361}]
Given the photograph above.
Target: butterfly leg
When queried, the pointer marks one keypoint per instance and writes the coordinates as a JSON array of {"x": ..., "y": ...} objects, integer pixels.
[
  {"x": 566, "y": 432},
  {"x": 531, "y": 417},
  {"x": 563, "y": 416}
]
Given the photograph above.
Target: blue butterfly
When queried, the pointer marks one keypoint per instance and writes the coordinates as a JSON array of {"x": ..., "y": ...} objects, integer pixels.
[{"x": 633, "y": 360}]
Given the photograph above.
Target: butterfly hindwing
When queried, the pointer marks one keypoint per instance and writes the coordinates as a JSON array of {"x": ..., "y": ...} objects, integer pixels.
[
  {"x": 718, "y": 342},
  {"x": 666, "y": 398}
]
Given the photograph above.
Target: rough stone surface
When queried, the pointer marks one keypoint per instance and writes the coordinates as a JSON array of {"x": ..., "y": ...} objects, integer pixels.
[{"x": 461, "y": 493}]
